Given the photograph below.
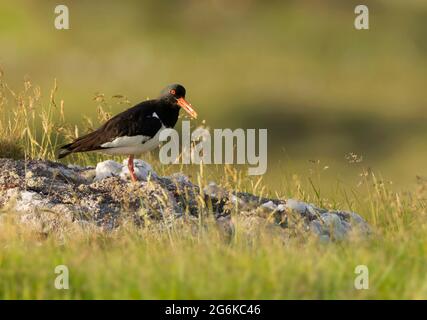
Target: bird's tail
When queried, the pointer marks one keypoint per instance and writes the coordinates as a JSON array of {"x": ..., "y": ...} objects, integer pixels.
[
  {"x": 65, "y": 150},
  {"x": 83, "y": 144}
]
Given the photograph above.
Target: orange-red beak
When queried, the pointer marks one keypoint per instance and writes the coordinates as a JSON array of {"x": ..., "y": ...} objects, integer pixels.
[{"x": 187, "y": 107}]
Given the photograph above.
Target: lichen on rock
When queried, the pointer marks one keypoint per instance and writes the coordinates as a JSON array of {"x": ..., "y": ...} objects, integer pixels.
[{"x": 42, "y": 190}]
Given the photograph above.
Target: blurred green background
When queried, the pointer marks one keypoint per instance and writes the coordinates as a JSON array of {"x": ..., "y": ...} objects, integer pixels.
[{"x": 297, "y": 68}]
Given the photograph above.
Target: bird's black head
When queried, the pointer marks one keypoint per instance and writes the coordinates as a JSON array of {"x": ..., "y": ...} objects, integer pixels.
[
  {"x": 173, "y": 91},
  {"x": 175, "y": 94}
]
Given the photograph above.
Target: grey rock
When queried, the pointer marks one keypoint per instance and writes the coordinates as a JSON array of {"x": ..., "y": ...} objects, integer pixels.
[
  {"x": 110, "y": 168},
  {"x": 45, "y": 193}
]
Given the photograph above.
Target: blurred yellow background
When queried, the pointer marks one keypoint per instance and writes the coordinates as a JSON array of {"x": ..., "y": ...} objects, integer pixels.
[{"x": 297, "y": 68}]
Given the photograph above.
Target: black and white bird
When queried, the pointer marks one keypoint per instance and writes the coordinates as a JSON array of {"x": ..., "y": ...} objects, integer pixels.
[{"x": 135, "y": 130}]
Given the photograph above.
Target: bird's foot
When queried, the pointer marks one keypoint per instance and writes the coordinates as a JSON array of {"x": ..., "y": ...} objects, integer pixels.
[
  {"x": 131, "y": 169},
  {"x": 133, "y": 177}
]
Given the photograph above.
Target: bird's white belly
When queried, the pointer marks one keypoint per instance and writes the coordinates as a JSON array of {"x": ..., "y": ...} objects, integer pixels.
[{"x": 132, "y": 145}]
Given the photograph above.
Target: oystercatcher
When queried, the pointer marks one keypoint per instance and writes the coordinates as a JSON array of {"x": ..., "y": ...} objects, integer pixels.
[{"x": 135, "y": 130}]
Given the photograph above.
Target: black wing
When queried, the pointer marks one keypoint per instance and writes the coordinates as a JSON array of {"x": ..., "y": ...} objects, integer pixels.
[{"x": 138, "y": 120}]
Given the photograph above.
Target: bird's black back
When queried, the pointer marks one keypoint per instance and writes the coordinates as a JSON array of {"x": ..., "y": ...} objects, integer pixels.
[{"x": 146, "y": 118}]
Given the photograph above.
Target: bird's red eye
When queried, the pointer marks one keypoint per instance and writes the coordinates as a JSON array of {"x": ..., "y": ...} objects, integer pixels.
[{"x": 172, "y": 91}]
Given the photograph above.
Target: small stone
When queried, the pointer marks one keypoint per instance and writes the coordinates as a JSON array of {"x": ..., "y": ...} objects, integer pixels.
[
  {"x": 269, "y": 205},
  {"x": 28, "y": 201},
  {"x": 281, "y": 207},
  {"x": 142, "y": 169},
  {"x": 333, "y": 226},
  {"x": 236, "y": 200},
  {"x": 107, "y": 169},
  {"x": 295, "y": 205},
  {"x": 213, "y": 190}
]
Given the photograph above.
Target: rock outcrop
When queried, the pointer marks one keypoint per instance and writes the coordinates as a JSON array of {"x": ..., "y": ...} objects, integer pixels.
[{"x": 39, "y": 190}]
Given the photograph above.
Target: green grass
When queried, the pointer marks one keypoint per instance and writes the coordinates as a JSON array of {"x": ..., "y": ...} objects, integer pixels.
[
  {"x": 300, "y": 69},
  {"x": 182, "y": 263},
  {"x": 138, "y": 264}
]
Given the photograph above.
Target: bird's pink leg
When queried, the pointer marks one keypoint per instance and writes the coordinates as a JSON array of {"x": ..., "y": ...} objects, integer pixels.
[{"x": 131, "y": 169}]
